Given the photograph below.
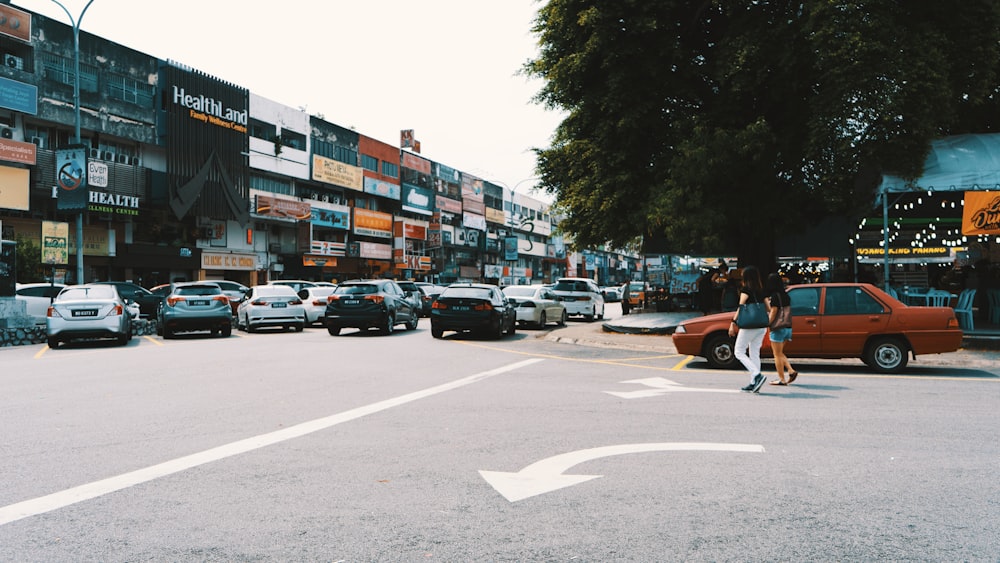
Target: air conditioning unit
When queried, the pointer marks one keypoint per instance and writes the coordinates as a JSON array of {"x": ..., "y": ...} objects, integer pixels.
[
  {"x": 107, "y": 155},
  {"x": 7, "y": 133},
  {"x": 11, "y": 61},
  {"x": 95, "y": 153},
  {"x": 313, "y": 196},
  {"x": 134, "y": 161},
  {"x": 326, "y": 198},
  {"x": 38, "y": 142},
  {"x": 123, "y": 159}
]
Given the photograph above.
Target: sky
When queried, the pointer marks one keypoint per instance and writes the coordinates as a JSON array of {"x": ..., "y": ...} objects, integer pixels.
[{"x": 448, "y": 69}]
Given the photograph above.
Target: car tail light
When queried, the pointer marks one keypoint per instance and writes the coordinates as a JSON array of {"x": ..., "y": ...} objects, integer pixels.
[
  {"x": 438, "y": 305},
  {"x": 378, "y": 299},
  {"x": 118, "y": 310},
  {"x": 52, "y": 312},
  {"x": 258, "y": 303},
  {"x": 952, "y": 322},
  {"x": 171, "y": 301},
  {"x": 295, "y": 302},
  {"x": 318, "y": 302},
  {"x": 222, "y": 299},
  {"x": 483, "y": 307},
  {"x": 525, "y": 303}
]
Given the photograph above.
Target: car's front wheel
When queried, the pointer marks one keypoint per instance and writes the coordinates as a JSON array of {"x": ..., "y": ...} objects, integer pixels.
[
  {"x": 720, "y": 351},
  {"x": 886, "y": 355},
  {"x": 412, "y": 323}
]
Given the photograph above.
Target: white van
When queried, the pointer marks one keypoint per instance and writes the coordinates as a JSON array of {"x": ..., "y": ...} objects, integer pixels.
[{"x": 581, "y": 296}]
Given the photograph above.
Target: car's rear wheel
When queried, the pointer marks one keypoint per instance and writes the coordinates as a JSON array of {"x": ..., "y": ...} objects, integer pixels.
[
  {"x": 53, "y": 342},
  {"x": 389, "y": 324},
  {"x": 886, "y": 355},
  {"x": 333, "y": 330},
  {"x": 513, "y": 327},
  {"x": 563, "y": 318},
  {"x": 299, "y": 327},
  {"x": 542, "y": 320},
  {"x": 590, "y": 317},
  {"x": 720, "y": 351},
  {"x": 436, "y": 331},
  {"x": 167, "y": 333},
  {"x": 227, "y": 331},
  {"x": 250, "y": 327}
]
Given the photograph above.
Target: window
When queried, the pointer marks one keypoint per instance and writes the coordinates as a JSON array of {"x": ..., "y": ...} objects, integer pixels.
[
  {"x": 293, "y": 140},
  {"x": 261, "y": 130},
  {"x": 346, "y": 155},
  {"x": 270, "y": 185},
  {"x": 60, "y": 69},
  {"x": 369, "y": 162},
  {"x": 129, "y": 90},
  {"x": 849, "y": 301},
  {"x": 390, "y": 169},
  {"x": 322, "y": 148}
]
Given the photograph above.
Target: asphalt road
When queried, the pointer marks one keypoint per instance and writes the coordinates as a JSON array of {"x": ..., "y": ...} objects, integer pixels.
[{"x": 307, "y": 447}]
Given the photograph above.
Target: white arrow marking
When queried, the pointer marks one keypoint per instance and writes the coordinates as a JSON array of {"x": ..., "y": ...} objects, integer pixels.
[
  {"x": 661, "y": 386},
  {"x": 547, "y": 475}
]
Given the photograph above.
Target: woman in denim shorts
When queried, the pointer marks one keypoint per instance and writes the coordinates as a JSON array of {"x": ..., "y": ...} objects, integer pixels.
[{"x": 779, "y": 308}]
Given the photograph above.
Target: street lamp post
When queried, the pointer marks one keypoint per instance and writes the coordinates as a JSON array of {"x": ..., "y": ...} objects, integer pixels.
[{"x": 76, "y": 121}]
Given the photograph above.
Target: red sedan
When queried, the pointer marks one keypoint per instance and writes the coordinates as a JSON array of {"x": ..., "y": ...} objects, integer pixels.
[{"x": 837, "y": 320}]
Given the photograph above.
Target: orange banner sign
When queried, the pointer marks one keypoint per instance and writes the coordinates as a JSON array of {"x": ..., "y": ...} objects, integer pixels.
[{"x": 981, "y": 215}]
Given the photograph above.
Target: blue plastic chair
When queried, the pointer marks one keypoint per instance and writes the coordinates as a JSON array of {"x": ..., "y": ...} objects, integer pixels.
[
  {"x": 963, "y": 309},
  {"x": 994, "y": 300},
  {"x": 938, "y": 298}
]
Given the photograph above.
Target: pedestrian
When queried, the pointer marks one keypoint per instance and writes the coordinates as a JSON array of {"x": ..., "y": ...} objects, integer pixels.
[
  {"x": 749, "y": 340},
  {"x": 706, "y": 292},
  {"x": 779, "y": 309},
  {"x": 626, "y": 298}
]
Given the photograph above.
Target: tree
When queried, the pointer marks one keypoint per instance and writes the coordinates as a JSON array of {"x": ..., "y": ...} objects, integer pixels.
[
  {"x": 718, "y": 125},
  {"x": 29, "y": 261}
]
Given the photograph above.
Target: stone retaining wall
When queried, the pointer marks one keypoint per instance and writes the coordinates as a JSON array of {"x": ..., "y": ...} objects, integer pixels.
[{"x": 36, "y": 334}]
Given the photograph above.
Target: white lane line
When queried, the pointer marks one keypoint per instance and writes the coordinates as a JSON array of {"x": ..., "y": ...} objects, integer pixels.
[{"x": 54, "y": 501}]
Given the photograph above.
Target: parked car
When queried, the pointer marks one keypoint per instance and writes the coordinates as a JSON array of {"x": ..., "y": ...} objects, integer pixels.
[
  {"x": 581, "y": 296},
  {"x": 37, "y": 297},
  {"x": 637, "y": 293},
  {"x": 314, "y": 300},
  {"x": 414, "y": 294},
  {"x": 430, "y": 291},
  {"x": 194, "y": 306},
  {"x": 368, "y": 304},
  {"x": 297, "y": 285},
  {"x": 149, "y": 303},
  {"x": 270, "y": 306},
  {"x": 88, "y": 311},
  {"x": 612, "y": 293},
  {"x": 476, "y": 307},
  {"x": 836, "y": 320},
  {"x": 536, "y": 305},
  {"x": 235, "y": 291}
]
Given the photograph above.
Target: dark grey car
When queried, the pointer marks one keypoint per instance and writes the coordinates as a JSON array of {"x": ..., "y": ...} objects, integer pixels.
[
  {"x": 368, "y": 304},
  {"x": 195, "y": 306}
]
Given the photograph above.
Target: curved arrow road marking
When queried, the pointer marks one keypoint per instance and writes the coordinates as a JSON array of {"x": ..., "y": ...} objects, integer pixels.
[
  {"x": 660, "y": 386},
  {"x": 547, "y": 475}
]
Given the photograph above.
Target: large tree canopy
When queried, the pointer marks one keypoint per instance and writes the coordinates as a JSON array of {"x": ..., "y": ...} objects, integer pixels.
[{"x": 716, "y": 125}]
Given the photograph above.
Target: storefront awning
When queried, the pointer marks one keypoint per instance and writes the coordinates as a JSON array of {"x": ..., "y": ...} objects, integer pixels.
[{"x": 954, "y": 164}]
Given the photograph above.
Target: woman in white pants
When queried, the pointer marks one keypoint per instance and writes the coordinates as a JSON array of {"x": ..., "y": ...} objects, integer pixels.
[{"x": 749, "y": 340}]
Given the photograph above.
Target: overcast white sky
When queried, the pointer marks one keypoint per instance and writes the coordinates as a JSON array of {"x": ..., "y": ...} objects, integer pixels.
[{"x": 448, "y": 69}]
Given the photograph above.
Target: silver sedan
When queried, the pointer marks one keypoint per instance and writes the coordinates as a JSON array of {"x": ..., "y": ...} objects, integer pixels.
[
  {"x": 536, "y": 305},
  {"x": 88, "y": 311}
]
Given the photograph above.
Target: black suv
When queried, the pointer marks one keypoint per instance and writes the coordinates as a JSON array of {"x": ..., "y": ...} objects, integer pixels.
[
  {"x": 368, "y": 304},
  {"x": 149, "y": 302}
]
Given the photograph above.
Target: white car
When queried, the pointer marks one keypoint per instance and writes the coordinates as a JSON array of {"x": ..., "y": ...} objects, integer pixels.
[
  {"x": 36, "y": 298},
  {"x": 88, "y": 311},
  {"x": 581, "y": 296},
  {"x": 536, "y": 305},
  {"x": 270, "y": 306},
  {"x": 314, "y": 300}
]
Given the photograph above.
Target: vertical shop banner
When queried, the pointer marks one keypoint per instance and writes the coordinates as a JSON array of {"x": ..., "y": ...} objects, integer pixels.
[
  {"x": 55, "y": 242},
  {"x": 510, "y": 248},
  {"x": 71, "y": 178}
]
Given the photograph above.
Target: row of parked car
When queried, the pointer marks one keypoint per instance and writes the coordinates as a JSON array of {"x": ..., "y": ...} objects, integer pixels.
[{"x": 106, "y": 309}]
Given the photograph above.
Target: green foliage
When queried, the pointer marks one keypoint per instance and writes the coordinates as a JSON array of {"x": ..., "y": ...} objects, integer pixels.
[
  {"x": 29, "y": 262},
  {"x": 719, "y": 125}
]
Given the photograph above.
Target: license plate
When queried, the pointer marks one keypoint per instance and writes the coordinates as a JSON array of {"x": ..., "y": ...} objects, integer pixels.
[
  {"x": 198, "y": 303},
  {"x": 279, "y": 305},
  {"x": 461, "y": 307},
  {"x": 351, "y": 302},
  {"x": 85, "y": 313}
]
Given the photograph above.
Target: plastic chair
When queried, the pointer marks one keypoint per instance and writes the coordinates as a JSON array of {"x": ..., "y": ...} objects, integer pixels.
[
  {"x": 994, "y": 300},
  {"x": 938, "y": 298},
  {"x": 892, "y": 291},
  {"x": 963, "y": 309}
]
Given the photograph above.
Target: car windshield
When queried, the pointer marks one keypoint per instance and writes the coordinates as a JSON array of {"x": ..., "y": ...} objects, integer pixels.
[
  {"x": 93, "y": 292},
  {"x": 360, "y": 289},
  {"x": 571, "y": 285},
  {"x": 473, "y": 292},
  {"x": 519, "y": 291},
  {"x": 198, "y": 290}
]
